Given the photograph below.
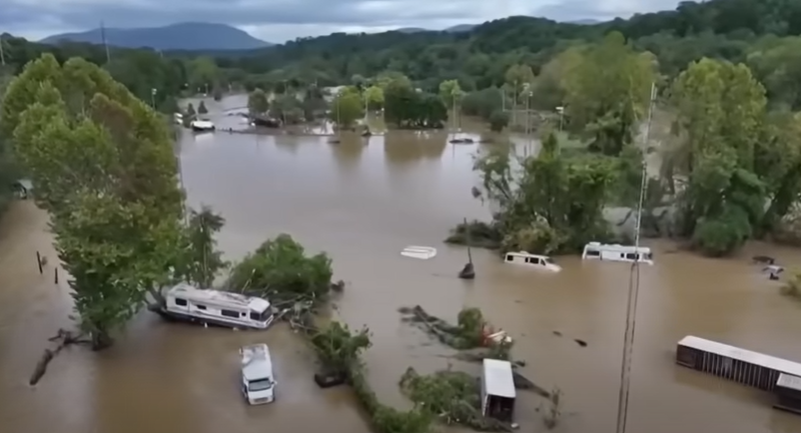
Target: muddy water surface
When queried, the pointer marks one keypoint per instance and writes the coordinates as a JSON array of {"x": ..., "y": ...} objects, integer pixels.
[{"x": 363, "y": 201}]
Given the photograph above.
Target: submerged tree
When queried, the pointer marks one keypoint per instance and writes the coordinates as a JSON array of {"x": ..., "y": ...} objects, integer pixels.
[
  {"x": 103, "y": 165},
  {"x": 280, "y": 266},
  {"x": 203, "y": 261}
]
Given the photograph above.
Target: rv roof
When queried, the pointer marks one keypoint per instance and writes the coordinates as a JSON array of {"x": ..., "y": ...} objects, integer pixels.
[
  {"x": 220, "y": 298},
  {"x": 615, "y": 247},
  {"x": 789, "y": 381},
  {"x": 256, "y": 362},
  {"x": 748, "y": 356},
  {"x": 498, "y": 378}
]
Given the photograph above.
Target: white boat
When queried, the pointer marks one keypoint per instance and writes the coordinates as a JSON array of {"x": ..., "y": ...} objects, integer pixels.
[
  {"x": 532, "y": 260},
  {"x": 617, "y": 253},
  {"x": 258, "y": 382},
  {"x": 419, "y": 252},
  {"x": 213, "y": 307},
  {"x": 202, "y": 125}
]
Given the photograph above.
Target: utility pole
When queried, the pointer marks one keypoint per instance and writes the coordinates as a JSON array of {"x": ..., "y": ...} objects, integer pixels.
[
  {"x": 105, "y": 42},
  {"x": 153, "y": 97},
  {"x": 634, "y": 288}
]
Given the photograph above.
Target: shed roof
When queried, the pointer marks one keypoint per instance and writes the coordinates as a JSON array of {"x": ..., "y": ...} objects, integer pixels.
[{"x": 498, "y": 378}]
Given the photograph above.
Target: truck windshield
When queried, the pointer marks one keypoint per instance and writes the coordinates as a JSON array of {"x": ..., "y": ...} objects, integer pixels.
[
  {"x": 260, "y": 385},
  {"x": 260, "y": 317}
]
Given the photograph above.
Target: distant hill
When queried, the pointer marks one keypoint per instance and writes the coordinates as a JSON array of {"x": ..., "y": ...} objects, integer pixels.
[
  {"x": 461, "y": 28},
  {"x": 586, "y": 22},
  {"x": 412, "y": 30},
  {"x": 181, "y": 36}
]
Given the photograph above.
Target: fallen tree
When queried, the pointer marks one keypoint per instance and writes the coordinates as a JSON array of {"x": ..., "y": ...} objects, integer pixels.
[
  {"x": 64, "y": 338},
  {"x": 470, "y": 338},
  {"x": 454, "y": 397}
]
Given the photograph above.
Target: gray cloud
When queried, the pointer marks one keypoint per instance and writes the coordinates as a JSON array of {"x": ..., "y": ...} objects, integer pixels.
[{"x": 279, "y": 20}]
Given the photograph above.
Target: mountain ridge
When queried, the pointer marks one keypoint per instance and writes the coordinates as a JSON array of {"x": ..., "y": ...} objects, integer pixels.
[{"x": 188, "y": 36}]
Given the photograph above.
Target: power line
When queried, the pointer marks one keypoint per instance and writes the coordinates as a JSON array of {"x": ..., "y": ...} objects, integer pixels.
[{"x": 634, "y": 288}]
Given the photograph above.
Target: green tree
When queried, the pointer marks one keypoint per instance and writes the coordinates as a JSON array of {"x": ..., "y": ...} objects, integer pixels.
[
  {"x": 720, "y": 112},
  {"x": 190, "y": 110},
  {"x": 103, "y": 165},
  {"x": 257, "y": 102},
  {"x": 347, "y": 107},
  {"x": 607, "y": 91},
  {"x": 498, "y": 120},
  {"x": 202, "y": 261},
  {"x": 201, "y": 108},
  {"x": 374, "y": 97},
  {"x": 450, "y": 92}
]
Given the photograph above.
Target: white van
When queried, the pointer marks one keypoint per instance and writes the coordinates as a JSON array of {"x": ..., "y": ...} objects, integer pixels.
[
  {"x": 498, "y": 392},
  {"x": 617, "y": 253},
  {"x": 532, "y": 260},
  {"x": 258, "y": 383}
]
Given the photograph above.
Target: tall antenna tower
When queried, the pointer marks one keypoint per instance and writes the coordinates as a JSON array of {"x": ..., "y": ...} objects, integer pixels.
[
  {"x": 105, "y": 43},
  {"x": 634, "y": 288}
]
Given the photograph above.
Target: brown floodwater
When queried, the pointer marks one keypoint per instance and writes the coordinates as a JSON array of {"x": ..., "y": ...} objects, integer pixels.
[{"x": 362, "y": 201}]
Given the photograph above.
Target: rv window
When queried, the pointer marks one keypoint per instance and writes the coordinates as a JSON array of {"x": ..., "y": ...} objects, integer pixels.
[
  {"x": 535, "y": 260},
  {"x": 649, "y": 256},
  {"x": 631, "y": 256},
  {"x": 593, "y": 253},
  {"x": 181, "y": 302},
  {"x": 200, "y": 307},
  {"x": 229, "y": 313},
  {"x": 509, "y": 258}
]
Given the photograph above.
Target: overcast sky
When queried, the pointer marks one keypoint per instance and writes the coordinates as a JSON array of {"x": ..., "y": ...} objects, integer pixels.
[{"x": 280, "y": 20}]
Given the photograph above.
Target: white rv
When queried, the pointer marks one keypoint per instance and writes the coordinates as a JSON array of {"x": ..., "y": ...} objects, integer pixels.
[
  {"x": 419, "y": 252},
  {"x": 498, "y": 392},
  {"x": 617, "y": 253},
  {"x": 258, "y": 382},
  {"x": 214, "y": 307},
  {"x": 532, "y": 260}
]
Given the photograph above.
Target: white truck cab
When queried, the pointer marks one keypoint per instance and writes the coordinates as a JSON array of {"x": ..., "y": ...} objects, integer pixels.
[{"x": 258, "y": 382}]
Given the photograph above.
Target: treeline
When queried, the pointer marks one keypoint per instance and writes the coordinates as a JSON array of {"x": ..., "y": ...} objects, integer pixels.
[{"x": 759, "y": 33}]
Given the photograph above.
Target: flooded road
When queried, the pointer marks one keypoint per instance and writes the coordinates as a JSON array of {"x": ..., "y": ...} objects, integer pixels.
[{"x": 362, "y": 201}]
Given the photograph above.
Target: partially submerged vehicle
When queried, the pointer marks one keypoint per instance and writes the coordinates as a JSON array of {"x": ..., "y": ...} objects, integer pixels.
[
  {"x": 214, "y": 307},
  {"x": 419, "y": 252},
  {"x": 498, "y": 392},
  {"x": 258, "y": 382},
  {"x": 202, "y": 126},
  {"x": 532, "y": 260},
  {"x": 617, "y": 253}
]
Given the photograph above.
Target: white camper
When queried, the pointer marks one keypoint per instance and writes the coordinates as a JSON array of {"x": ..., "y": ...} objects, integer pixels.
[
  {"x": 258, "y": 382},
  {"x": 617, "y": 253},
  {"x": 214, "y": 307},
  {"x": 498, "y": 392},
  {"x": 532, "y": 260}
]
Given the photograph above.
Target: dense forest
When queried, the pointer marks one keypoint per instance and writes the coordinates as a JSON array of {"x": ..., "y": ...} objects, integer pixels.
[{"x": 727, "y": 74}]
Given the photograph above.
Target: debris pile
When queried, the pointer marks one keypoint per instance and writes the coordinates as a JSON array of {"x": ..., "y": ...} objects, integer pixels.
[{"x": 453, "y": 396}]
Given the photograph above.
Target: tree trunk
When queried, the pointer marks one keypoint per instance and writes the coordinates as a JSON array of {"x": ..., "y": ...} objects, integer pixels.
[{"x": 101, "y": 340}]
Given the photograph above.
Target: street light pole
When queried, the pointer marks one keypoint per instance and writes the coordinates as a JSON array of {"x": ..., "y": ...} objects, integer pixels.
[{"x": 153, "y": 98}]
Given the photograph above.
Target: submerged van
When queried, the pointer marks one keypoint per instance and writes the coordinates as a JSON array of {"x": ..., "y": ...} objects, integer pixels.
[{"x": 258, "y": 382}]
